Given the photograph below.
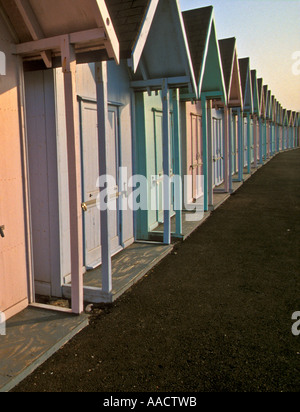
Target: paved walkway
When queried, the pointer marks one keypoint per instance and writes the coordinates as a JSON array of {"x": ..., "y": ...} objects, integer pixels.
[{"x": 214, "y": 315}]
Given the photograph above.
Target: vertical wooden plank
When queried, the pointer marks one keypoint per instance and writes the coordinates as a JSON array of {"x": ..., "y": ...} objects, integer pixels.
[
  {"x": 265, "y": 139},
  {"x": 74, "y": 173},
  {"x": 210, "y": 164},
  {"x": 227, "y": 151},
  {"x": 230, "y": 131},
  {"x": 205, "y": 150},
  {"x": 102, "y": 114},
  {"x": 241, "y": 145},
  {"x": 255, "y": 139},
  {"x": 261, "y": 138},
  {"x": 177, "y": 157},
  {"x": 166, "y": 162},
  {"x": 249, "y": 142}
]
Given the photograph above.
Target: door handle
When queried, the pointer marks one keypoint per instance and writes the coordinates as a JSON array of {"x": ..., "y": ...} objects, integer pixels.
[{"x": 2, "y": 228}]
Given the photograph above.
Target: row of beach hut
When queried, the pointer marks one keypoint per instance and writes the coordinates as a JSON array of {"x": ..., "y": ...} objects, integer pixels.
[{"x": 135, "y": 90}]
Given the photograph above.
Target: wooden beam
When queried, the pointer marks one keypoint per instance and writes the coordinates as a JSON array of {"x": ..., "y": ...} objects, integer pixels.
[
  {"x": 51, "y": 43},
  {"x": 157, "y": 83},
  {"x": 74, "y": 173},
  {"x": 103, "y": 20},
  {"x": 34, "y": 28},
  {"x": 227, "y": 152},
  {"x": 205, "y": 149},
  {"x": 177, "y": 157},
  {"x": 102, "y": 115},
  {"x": 241, "y": 145},
  {"x": 166, "y": 162},
  {"x": 143, "y": 35}
]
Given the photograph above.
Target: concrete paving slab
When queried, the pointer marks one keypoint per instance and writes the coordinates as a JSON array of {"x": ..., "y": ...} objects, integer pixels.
[{"x": 31, "y": 338}]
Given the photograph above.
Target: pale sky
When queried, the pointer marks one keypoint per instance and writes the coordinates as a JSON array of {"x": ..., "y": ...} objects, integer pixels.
[{"x": 267, "y": 31}]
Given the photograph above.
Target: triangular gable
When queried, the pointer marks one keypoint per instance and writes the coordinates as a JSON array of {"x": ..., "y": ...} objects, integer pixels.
[
  {"x": 261, "y": 97},
  {"x": 255, "y": 94},
  {"x": 204, "y": 47},
  {"x": 245, "y": 73},
  {"x": 269, "y": 105},
  {"x": 289, "y": 118},
  {"x": 165, "y": 54},
  {"x": 231, "y": 72},
  {"x": 284, "y": 118},
  {"x": 266, "y": 98},
  {"x": 132, "y": 20},
  {"x": 278, "y": 113},
  {"x": 272, "y": 108}
]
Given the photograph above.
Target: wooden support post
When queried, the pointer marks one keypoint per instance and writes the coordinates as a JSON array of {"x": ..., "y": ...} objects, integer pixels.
[
  {"x": 74, "y": 173},
  {"x": 249, "y": 151},
  {"x": 230, "y": 150},
  {"x": 241, "y": 145},
  {"x": 205, "y": 150},
  {"x": 271, "y": 140},
  {"x": 177, "y": 159},
  {"x": 266, "y": 140},
  {"x": 102, "y": 117},
  {"x": 166, "y": 162},
  {"x": 261, "y": 139},
  {"x": 210, "y": 155},
  {"x": 227, "y": 151},
  {"x": 255, "y": 140}
]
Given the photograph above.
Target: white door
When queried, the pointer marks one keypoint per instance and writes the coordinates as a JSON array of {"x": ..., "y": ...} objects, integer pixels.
[
  {"x": 90, "y": 174},
  {"x": 218, "y": 152},
  {"x": 113, "y": 170},
  {"x": 196, "y": 168}
]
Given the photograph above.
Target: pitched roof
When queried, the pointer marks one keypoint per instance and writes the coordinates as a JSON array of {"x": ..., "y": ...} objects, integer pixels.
[
  {"x": 244, "y": 64},
  {"x": 255, "y": 92},
  {"x": 205, "y": 52},
  {"x": 266, "y": 99},
  {"x": 227, "y": 50},
  {"x": 197, "y": 24},
  {"x": 247, "y": 91},
  {"x": 127, "y": 17},
  {"x": 261, "y": 97}
]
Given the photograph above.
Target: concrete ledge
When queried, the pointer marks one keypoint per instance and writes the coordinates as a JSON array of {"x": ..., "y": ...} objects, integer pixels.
[{"x": 32, "y": 337}]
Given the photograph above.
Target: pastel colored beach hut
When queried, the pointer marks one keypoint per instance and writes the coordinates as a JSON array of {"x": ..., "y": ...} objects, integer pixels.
[
  {"x": 289, "y": 122},
  {"x": 291, "y": 129},
  {"x": 204, "y": 148},
  {"x": 266, "y": 122},
  {"x": 278, "y": 127},
  {"x": 106, "y": 89},
  {"x": 49, "y": 34},
  {"x": 255, "y": 148},
  {"x": 14, "y": 229},
  {"x": 247, "y": 125},
  {"x": 273, "y": 126},
  {"x": 234, "y": 106},
  {"x": 164, "y": 69},
  {"x": 261, "y": 119}
]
